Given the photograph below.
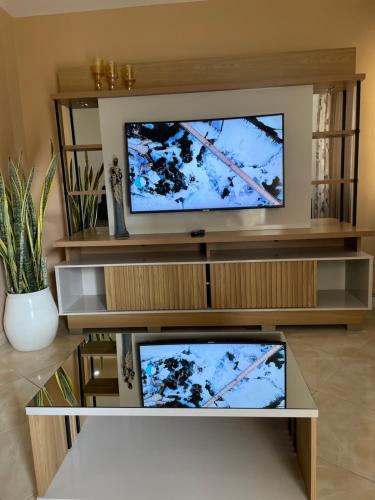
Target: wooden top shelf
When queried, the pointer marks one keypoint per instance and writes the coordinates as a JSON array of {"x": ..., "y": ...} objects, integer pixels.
[
  {"x": 324, "y": 69},
  {"x": 87, "y": 193},
  {"x": 319, "y": 81},
  {"x": 83, "y": 147},
  {"x": 320, "y": 229}
]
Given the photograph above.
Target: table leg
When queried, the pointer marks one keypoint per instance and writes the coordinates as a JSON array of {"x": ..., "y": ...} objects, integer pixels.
[
  {"x": 305, "y": 438},
  {"x": 49, "y": 446}
]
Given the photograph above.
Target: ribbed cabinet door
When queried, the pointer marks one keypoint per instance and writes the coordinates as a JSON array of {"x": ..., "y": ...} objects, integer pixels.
[
  {"x": 155, "y": 287},
  {"x": 263, "y": 285}
]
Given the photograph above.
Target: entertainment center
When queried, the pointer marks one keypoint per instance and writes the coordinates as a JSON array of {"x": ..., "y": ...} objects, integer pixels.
[{"x": 263, "y": 267}]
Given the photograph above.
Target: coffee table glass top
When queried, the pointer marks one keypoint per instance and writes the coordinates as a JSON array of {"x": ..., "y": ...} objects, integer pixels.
[{"x": 106, "y": 376}]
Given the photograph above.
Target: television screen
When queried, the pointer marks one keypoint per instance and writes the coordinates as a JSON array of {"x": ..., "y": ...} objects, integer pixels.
[
  {"x": 206, "y": 164},
  {"x": 213, "y": 375}
]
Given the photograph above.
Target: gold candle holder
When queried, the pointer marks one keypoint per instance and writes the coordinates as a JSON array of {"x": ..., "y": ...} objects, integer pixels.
[
  {"x": 128, "y": 76},
  {"x": 112, "y": 74},
  {"x": 98, "y": 72}
]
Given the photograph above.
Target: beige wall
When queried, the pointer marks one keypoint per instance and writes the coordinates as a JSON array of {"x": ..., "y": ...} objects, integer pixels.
[
  {"x": 213, "y": 28},
  {"x": 11, "y": 124},
  {"x": 11, "y": 136}
]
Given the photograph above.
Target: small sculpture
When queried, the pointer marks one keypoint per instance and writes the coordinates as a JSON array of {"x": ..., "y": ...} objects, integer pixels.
[
  {"x": 98, "y": 72},
  {"x": 118, "y": 201},
  {"x": 128, "y": 76},
  {"x": 112, "y": 74}
]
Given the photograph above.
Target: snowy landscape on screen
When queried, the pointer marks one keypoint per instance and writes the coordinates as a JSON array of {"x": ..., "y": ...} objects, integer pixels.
[
  {"x": 192, "y": 375},
  {"x": 171, "y": 169}
]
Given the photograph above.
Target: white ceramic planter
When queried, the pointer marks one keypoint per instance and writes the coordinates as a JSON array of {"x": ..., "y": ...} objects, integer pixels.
[{"x": 31, "y": 320}]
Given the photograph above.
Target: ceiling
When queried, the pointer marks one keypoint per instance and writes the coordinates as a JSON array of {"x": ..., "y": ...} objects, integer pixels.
[{"x": 21, "y": 8}]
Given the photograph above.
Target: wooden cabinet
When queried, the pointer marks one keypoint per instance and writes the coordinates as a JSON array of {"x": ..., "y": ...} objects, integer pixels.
[
  {"x": 263, "y": 285},
  {"x": 267, "y": 277},
  {"x": 155, "y": 287}
]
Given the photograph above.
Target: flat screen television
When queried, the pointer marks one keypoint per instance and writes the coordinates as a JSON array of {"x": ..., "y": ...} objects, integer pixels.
[
  {"x": 213, "y": 374},
  {"x": 228, "y": 163}
]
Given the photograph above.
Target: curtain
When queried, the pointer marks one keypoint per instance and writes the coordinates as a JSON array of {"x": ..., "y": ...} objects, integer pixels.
[{"x": 326, "y": 163}]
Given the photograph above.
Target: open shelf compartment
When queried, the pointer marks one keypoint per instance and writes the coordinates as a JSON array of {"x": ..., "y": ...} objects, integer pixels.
[
  {"x": 81, "y": 290},
  {"x": 344, "y": 284}
]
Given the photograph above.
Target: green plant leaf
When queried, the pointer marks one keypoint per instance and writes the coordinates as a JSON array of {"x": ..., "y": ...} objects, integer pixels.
[
  {"x": 66, "y": 386},
  {"x": 21, "y": 230}
]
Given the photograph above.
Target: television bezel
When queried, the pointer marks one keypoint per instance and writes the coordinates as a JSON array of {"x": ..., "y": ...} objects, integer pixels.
[
  {"x": 128, "y": 180},
  {"x": 210, "y": 341}
]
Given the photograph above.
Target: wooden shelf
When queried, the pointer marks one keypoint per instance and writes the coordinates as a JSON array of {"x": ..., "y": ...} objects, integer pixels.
[
  {"x": 101, "y": 387},
  {"x": 332, "y": 181},
  {"x": 338, "y": 299},
  {"x": 321, "y": 81},
  {"x": 333, "y": 133},
  {"x": 320, "y": 229},
  {"x": 103, "y": 349},
  {"x": 87, "y": 303},
  {"x": 216, "y": 256},
  {"x": 83, "y": 147},
  {"x": 87, "y": 193}
]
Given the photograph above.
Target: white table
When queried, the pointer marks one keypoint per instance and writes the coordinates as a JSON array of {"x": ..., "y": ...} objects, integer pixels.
[{"x": 180, "y": 453}]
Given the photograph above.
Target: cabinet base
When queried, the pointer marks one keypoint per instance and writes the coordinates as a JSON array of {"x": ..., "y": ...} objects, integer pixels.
[{"x": 217, "y": 318}]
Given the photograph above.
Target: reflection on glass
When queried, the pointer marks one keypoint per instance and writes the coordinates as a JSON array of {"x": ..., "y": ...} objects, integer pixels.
[
  {"x": 213, "y": 375},
  {"x": 58, "y": 386},
  {"x": 178, "y": 370}
]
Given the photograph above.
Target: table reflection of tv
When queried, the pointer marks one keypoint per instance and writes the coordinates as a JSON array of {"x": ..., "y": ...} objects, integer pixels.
[{"x": 213, "y": 374}]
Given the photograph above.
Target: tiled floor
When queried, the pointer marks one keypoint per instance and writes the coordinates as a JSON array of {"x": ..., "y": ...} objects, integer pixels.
[
  {"x": 21, "y": 375},
  {"x": 338, "y": 365}
]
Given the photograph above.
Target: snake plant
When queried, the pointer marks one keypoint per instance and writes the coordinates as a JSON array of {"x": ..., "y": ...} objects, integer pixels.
[
  {"x": 84, "y": 208},
  {"x": 21, "y": 228},
  {"x": 65, "y": 385}
]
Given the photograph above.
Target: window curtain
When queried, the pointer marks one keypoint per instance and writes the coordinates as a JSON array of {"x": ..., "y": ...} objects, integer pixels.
[{"x": 326, "y": 164}]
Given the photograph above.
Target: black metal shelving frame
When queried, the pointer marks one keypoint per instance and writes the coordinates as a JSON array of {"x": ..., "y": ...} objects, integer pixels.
[{"x": 58, "y": 104}]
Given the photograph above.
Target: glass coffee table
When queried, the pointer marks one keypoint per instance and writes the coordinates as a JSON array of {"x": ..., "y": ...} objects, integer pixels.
[{"x": 93, "y": 438}]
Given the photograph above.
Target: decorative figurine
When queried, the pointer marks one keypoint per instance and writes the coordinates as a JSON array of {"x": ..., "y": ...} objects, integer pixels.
[
  {"x": 118, "y": 202},
  {"x": 112, "y": 74},
  {"x": 98, "y": 72},
  {"x": 128, "y": 76},
  {"x": 127, "y": 360}
]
